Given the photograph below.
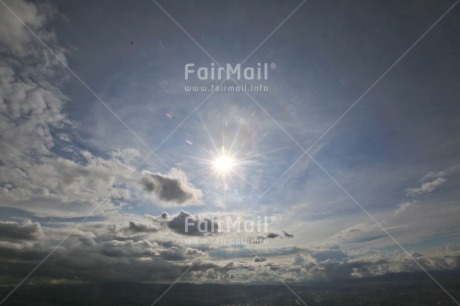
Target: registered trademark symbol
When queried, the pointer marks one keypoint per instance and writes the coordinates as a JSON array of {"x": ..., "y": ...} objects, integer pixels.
[{"x": 272, "y": 65}]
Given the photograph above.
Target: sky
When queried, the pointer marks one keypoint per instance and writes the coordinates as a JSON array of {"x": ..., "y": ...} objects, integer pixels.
[{"x": 347, "y": 159}]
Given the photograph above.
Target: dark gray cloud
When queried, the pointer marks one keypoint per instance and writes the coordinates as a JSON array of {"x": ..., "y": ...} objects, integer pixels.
[
  {"x": 96, "y": 253},
  {"x": 185, "y": 223},
  {"x": 173, "y": 254},
  {"x": 244, "y": 251},
  {"x": 171, "y": 188},
  {"x": 13, "y": 231},
  {"x": 128, "y": 248},
  {"x": 272, "y": 235},
  {"x": 259, "y": 259},
  {"x": 136, "y": 227}
]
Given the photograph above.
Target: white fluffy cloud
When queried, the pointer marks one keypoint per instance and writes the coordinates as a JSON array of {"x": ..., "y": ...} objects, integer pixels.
[
  {"x": 426, "y": 187},
  {"x": 65, "y": 188},
  {"x": 13, "y": 34},
  {"x": 31, "y": 111},
  {"x": 33, "y": 124},
  {"x": 403, "y": 207}
]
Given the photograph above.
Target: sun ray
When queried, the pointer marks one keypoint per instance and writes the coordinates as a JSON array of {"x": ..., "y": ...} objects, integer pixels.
[
  {"x": 251, "y": 156},
  {"x": 235, "y": 136},
  {"x": 246, "y": 181},
  {"x": 202, "y": 123}
]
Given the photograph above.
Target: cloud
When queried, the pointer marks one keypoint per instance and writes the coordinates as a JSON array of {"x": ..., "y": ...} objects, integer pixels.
[
  {"x": 332, "y": 253},
  {"x": 185, "y": 223},
  {"x": 13, "y": 231},
  {"x": 298, "y": 260},
  {"x": 129, "y": 248},
  {"x": 30, "y": 105},
  {"x": 433, "y": 175},
  {"x": 82, "y": 258},
  {"x": 172, "y": 254},
  {"x": 426, "y": 187},
  {"x": 243, "y": 251},
  {"x": 193, "y": 252},
  {"x": 259, "y": 259},
  {"x": 33, "y": 176},
  {"x": 42, "y": 171},
  {"x": 13, "y": 34},
  {"x": 136, "y": 227},
  {"x": 96, "y": 253},
  {"x": 59, "y": 187},
  {"x": 275, "y": 235},
  {"x": 360, "y": 234},
  {"x": 171, "y": 188},
  {"x": 451, "y": 248},
  {"x": 403, "y": 207}
]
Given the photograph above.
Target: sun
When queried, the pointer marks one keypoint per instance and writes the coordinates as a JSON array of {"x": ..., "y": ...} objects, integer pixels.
[{"x": 224, "y": 163}]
